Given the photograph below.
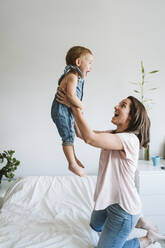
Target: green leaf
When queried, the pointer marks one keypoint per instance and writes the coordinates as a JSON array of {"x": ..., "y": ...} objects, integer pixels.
[
  {"x": 136, "y": 91},
  {"x": 142, "y": 67},
  {"x": 4, "y": 153},
  {"x": 1, "y": 160},
  {"x": 153, "y": 71},
  {"x": 148, "y": 100},
  {"x": 17, "y": 163},
  {"x": 153, "y": 89},
  {"x": 10, "y": 174},
  {"x": 11, "y": 152}
]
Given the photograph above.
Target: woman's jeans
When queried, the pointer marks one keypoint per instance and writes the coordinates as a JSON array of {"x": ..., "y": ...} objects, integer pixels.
[{"x": 115, "y": 225}]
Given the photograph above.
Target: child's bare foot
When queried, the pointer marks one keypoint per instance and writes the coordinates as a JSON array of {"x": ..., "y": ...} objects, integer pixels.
[
  {"x": 79, "y": 163},
  {"x": 77, "y": 170}
]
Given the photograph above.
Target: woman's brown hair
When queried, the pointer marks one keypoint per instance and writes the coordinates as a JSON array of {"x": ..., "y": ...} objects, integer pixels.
[
  {"x": 75, "y": 53},
  {"x": 140, "y": 122}
]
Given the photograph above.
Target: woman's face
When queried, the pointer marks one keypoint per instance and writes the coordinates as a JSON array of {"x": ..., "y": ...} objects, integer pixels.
[{"x": 121, "y": 116}]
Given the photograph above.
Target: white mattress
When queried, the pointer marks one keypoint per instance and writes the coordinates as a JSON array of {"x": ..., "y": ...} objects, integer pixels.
[{"x": 50, "y": 212}]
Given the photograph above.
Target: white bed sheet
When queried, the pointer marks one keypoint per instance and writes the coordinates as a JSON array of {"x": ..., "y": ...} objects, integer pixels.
[{"x": 49, "y": 212}]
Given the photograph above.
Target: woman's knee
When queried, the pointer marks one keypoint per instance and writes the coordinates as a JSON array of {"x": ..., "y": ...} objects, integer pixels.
[
  {"x": 95, "y": 228},
  {"x": 97, "y": 221}
]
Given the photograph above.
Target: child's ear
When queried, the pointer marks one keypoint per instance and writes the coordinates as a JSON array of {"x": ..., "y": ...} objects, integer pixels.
[{"x": 78, "y": 62}]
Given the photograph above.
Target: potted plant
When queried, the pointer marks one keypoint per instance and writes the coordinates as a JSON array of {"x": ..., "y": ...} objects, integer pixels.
[
  {"x": 141, "y": 93},
  {"x": 10, "y": 166}
]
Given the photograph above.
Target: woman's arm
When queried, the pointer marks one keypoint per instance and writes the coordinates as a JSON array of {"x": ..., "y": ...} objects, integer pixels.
[
  {"x": 102, "y": 140},
  {"x": 79, "y": 135},
  {"x": 77, "y": 130},
  {"x": 105, "y": 131}
]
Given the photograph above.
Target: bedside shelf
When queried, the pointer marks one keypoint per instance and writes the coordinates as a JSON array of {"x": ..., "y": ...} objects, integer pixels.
[
  {"x": 150, "y": 182},
  {"x": 147, "y": 167}
]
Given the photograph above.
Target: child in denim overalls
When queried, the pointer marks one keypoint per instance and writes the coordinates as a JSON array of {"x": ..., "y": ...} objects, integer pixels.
[{"x": 78, "y": 60}]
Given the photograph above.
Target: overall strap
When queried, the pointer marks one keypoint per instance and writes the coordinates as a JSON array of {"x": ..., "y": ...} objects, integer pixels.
[
  {"x": 72, "y": 67},
  {"x": 82, "y": 90},
  {"x": 67, "y": 69}
]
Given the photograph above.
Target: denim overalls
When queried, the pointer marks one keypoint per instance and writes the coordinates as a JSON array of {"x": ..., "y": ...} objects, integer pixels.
[{"x": 62, "y": 116}]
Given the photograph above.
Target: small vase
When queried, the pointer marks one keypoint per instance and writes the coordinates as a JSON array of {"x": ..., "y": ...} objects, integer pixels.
[
  {"x": 147, "y": 153},
  {"x": 141, "y": 153},
  {"x": 144, "y": 153}
]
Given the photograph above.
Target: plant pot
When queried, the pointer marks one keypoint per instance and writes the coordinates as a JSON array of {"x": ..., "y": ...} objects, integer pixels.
[
  {"x": 147, "y": 153},
  {"x": 144, "y": 153}
]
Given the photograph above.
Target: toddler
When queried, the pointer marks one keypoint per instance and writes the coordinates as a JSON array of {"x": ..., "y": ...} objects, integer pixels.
[{"x": 78, "y": 63}]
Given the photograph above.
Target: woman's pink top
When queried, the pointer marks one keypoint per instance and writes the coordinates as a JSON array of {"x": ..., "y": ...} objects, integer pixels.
[{"x": 116, "y": 176}]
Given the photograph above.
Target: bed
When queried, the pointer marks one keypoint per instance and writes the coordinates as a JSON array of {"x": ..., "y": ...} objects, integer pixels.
[{"x": 50, "y": 212}]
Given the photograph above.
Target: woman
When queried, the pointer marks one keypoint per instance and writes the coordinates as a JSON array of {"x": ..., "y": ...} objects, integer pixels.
[{"x": 117, "y": 203}]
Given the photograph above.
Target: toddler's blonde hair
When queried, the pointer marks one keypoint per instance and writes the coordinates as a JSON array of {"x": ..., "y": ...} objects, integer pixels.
[{"x": 75, "y": 53}]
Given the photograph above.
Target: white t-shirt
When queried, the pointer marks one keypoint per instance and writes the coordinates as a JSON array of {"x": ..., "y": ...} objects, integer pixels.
[{"x": 116, "y": 176}]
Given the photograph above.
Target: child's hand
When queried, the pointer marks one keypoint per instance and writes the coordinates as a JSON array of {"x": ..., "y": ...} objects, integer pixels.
[{"x": 62, "y": 98}]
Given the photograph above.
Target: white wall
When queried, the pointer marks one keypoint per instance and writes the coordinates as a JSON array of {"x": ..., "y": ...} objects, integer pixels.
[{"x": 35, "y": 36}]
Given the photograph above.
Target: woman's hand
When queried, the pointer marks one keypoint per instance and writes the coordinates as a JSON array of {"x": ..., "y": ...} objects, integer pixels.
[{"x": 62, "y": 98}]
